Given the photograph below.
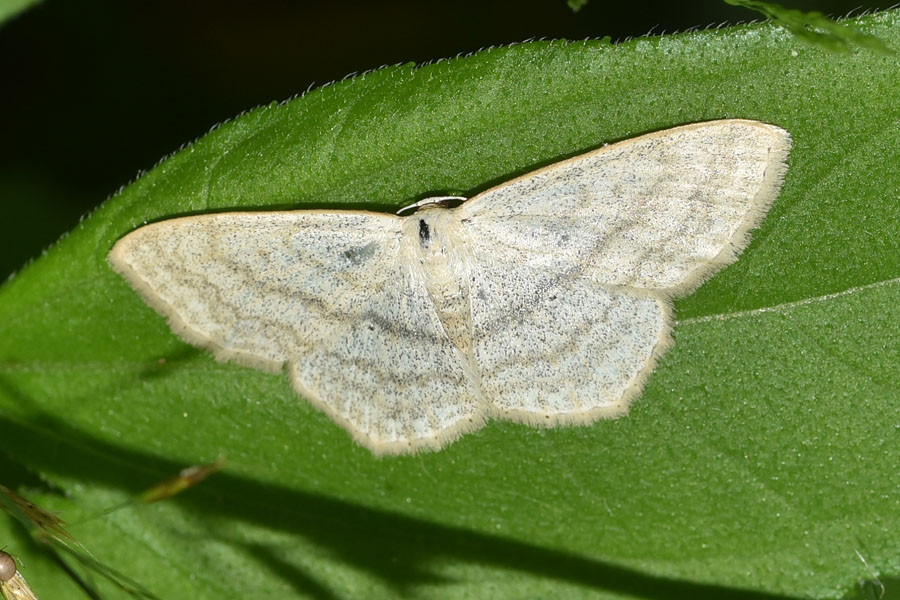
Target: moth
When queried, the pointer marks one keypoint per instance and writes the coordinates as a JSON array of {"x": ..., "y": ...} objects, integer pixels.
[{"x": 544, "y": 300}]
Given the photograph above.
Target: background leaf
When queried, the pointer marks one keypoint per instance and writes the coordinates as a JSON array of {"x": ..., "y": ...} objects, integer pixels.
[
  {"x": 761, "y": 459},
  {"x": 10, "y": 8},
  {"x": 814, "y": 27}
]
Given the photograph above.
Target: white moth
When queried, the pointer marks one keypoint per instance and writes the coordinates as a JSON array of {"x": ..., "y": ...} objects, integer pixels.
[{"x": 544, "y": 300}]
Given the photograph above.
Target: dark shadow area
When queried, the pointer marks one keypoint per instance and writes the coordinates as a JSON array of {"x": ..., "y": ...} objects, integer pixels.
[
  {"x": 300, "y": 580},
  {"x": 398, "y": 549}
]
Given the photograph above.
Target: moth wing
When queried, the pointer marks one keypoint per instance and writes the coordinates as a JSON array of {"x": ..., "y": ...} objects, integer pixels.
[
  {"x": 328, "y": 294},
  {"x": 553, "y": 348},
  {"x": 572, "y": 266},
  {"x": 661, "y": 211}
]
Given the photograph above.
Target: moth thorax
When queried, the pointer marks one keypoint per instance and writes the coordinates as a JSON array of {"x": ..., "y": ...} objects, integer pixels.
[{"x": 445, "y": 274}]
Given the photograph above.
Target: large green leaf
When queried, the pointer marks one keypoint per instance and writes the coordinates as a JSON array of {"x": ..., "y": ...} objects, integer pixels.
[{"x": 761, "y": 457}]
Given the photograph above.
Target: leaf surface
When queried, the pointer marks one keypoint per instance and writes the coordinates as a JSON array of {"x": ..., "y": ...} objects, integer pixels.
[{"x": 761, "y": 458}]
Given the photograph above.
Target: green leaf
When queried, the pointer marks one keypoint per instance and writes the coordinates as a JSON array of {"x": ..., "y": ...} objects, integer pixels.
[
  {"x": 11, "y": 8},
  {"x": 761, "y": 458}
]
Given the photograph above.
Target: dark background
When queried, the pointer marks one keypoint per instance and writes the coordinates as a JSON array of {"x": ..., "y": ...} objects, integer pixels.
[{"x": 96, "y": 90}]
